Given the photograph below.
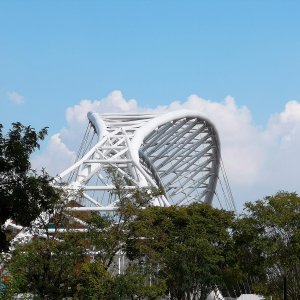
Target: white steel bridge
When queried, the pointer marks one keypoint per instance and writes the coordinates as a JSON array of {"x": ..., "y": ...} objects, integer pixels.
[{"x": 178, "y": 152}]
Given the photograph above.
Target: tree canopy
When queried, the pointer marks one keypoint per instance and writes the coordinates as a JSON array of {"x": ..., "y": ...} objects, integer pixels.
[
  {"x": 187, "y": 244},
  {"x": 267, "y": 238},
  {"x": 22, "y": 189}
]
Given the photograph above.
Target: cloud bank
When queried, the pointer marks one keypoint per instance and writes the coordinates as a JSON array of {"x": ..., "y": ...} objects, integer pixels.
[{"x": 259, "y": 161}]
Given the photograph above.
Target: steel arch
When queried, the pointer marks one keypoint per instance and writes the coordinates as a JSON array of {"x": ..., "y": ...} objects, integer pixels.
[{"x": 177, "y": 151}]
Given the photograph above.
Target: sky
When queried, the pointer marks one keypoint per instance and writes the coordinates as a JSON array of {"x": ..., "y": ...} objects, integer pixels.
[{"x": 236, "y": 62}]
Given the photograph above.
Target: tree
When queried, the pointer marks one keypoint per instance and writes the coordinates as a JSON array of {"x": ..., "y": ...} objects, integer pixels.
[
  {"x": 134, "y": 283},
  {"x": 186, "y": 244},
  {"x": 267, "y": 238},
  {"x": 48, "y": 269},
  {"x": 139, "y": 282},
  {"x": 22, "y": 189},
  {"x": 95, "y": 282}
]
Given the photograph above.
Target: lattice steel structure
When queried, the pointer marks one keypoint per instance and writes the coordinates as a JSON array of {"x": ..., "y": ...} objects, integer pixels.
[{"x": 178, "y": 152}]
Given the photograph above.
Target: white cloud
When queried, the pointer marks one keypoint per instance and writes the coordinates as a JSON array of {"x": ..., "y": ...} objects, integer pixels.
[
  {"x": 259, "y": 160},
  {"x": 15, "y": 97},
  {"x": 56, "y": 158},
  {"x": 283, "y": 137},
  {"x": 114, "y": 102},
  {"x": 291, "y": 112}
]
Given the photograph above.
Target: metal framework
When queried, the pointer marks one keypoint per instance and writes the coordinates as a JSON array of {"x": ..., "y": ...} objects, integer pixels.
[{"x": 178, "y": 152}]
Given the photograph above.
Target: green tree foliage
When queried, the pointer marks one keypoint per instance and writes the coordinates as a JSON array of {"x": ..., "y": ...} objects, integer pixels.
[
  {"x": 21, "y": 188},
  {"x": 134, "y": 283},
  {"x": 47, "y": 268},
  {"x": 187, "y": 244},
  {"x": 267, "y": 238},
  {"x": 49, "y": 265},
  {"x": 95, "y": 282},
  {"x": 139, "y": 282},
  {"x": 178, "y": 250},
  {"x": 80, "y": 265}
]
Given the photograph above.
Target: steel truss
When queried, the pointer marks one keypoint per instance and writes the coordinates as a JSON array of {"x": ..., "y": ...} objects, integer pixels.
[{"x": 178, "y": 152}]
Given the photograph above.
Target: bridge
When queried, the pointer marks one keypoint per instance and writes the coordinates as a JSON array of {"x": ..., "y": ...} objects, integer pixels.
[{"x": 177, "y": 152}]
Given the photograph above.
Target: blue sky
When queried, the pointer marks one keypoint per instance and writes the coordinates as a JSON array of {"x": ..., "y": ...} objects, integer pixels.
[{"x": 53, "y": 54}]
